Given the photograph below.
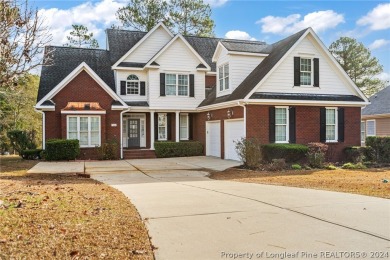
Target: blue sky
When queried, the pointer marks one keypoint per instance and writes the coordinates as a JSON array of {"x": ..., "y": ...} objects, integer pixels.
[{"x": 270, "y": 21}]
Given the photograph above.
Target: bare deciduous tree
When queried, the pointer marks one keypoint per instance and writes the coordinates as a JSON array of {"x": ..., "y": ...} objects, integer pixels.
[{"x": 22, "y": 40}]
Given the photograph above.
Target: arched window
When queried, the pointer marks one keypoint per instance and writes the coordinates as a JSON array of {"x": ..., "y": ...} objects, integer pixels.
[{"x": 132, "y": 85}]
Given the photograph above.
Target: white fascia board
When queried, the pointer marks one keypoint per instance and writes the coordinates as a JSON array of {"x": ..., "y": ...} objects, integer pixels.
[
  {"x": 45, "y": 108},
  {"x": 211, "y": 73},
  {"x": 220, "y": 105},
  {"x": 127, "y": 68},
  {"x": 217, "y": 51},
  {"x": 82, "y": 67},
  {"x": 83, "y": 112},
  {"x": 118, "y": 107},
  {"x": 160, "y": 24},
  {"x": 178, "y": 36},
  {"x": 304, "y": 102},
  {"x": 242, "y": 53}
]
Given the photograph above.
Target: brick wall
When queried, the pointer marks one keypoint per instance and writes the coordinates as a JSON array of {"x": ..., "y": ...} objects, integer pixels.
[
  {"x": 210, "y": 81},
  {"x": 83, "y": 89},
  {"x": 200, "y": 119},
  {"x": 307, "y": 127}
]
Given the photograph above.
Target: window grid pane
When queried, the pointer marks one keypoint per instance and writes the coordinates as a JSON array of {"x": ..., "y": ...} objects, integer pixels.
[
  {"x": 183, "y": 85},
  {"x": 162, "y": 124},
  {"x": 132, "y": 88},
  {"x": 370, "y": 128},
  {"x": 330, "y": 130},
  {"x": 87, "y": 131},
  {"x": 305, "y": 72},
  {"x": 281, "y": 124}
]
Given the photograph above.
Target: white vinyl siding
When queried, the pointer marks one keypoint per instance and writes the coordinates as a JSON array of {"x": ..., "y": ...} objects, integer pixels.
[
  {"x": 223, "y": 77},
  {"x": 331, "y": 80},
  {"x": 184, "y": 126},
  {"x": 371, "y": 131},
  {"x": 281, "y": 124},
  {"x": 306, "y": 72},
  {"x": 162, "y": 126},
  {"x": 176, "y": 85},
  {"x": 84, "y": 128},
  {"x": 331, "y": 125}
]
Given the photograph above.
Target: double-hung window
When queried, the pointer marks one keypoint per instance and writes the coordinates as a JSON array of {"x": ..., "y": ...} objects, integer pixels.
[
  {"x": 281, "y": 124},
  {"x": 306, "y": 72},
  {"x": 84, "y": 128},
  {"x": 363, "y": 131},
  {"x": 223, "y": 77},
  {"x": 331, "y": 124},
  {"x": 371, "y": 131},
  {"x": 176, "y": 85},
  {"x": 132, "y": 85},
  {"x": 162, "y": 126},
  {"x": 183, "y": 126}
]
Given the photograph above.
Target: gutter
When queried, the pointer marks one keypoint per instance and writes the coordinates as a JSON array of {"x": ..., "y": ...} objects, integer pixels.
[
  {"x": 121, "y": 129},
  {"x": 43, "y": 127},
  {"x": 243, "y": 104}
]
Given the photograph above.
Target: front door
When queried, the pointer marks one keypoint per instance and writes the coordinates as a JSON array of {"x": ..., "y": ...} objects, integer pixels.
[{"x": 134, "y": 133}]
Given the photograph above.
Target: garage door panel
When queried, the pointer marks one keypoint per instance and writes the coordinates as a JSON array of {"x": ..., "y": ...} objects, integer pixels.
[
  {"x": 234, "y": 131},
  {"x": 213, "y": 139}
]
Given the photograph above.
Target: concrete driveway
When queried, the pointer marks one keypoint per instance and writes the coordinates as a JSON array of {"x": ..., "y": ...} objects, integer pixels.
[{"x": 190, "y": 216}]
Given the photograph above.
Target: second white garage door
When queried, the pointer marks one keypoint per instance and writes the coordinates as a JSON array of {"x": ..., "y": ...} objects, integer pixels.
[{"x": 234, "y": 130}]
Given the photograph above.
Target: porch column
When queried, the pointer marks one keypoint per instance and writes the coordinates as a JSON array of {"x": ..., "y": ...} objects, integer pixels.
[
  {"x": 152, "y": 130},
  {"x": 177, "y": 135}
]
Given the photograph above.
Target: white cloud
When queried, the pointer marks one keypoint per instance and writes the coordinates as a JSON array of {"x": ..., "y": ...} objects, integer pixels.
[
  {"x": 320, "y": 21},
  {"x": 378, "y": 44},
  {"x": 215, "y": 3},
  {"x": 96, "y": 16},
  {"x": 385, "y": 76},
  {"x": 239, "y": 35},
  {"x": 378, "y": 18}
]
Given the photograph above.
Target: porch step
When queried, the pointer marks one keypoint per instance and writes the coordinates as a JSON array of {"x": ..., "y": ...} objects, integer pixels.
[{"x": 138, "y": 154}]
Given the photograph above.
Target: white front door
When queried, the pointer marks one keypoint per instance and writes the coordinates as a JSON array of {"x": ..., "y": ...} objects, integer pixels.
[
  {"x": 234, "y": 131},
  {"x": 213, "y": 138}
]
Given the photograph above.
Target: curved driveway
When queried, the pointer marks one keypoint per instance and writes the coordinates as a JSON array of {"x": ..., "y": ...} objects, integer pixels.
[{"x": 190, "y": 216}]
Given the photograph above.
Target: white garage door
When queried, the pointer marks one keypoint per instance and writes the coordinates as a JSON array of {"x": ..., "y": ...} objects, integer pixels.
[
  {"x": 213, "y": 139},
  {"x": 234, "y": 130}
]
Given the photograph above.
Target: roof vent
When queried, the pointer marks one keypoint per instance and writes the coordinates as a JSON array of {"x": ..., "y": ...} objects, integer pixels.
[{"x": 87, "y": 106}]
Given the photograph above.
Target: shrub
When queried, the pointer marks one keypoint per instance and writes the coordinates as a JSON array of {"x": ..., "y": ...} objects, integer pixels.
[
  {"x": 380, "y": 147},
  {"x": 316, "y": 154},
  {"x": 296, "y": 167},
  {"x": 22, "y": 140},
  {"x": 330, "y": 167},
  {"x": 178, "y": 149},
  {"x": 32, "y": 154},
  {"x": 61, "y": 149},
  {"x": 249, "y": 151},
  {"x": 289, "y": 152},
  {"x": 108, "y": 151},
  {"x": 352, "y": 166},
  {"x": 277, "y": 165},
  {"x": 358, "y": 154}
]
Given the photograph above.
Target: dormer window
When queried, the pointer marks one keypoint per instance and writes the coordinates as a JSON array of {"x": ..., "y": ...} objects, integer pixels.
[
  {"x": 132, "y": 85},
  {"x": 223, "y": 77}
]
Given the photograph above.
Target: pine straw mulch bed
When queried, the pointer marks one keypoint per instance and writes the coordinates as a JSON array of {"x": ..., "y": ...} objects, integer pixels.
[
  {"x": 46, "y": 216},
  {"x": 365, "y": 182}
]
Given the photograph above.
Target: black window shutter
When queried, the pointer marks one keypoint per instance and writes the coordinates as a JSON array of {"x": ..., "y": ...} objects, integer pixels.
[
  {"x": 155, "y": 126},
  {"x": 169, "y": 126},
  {"x": 323, "y": 124},
  {"x": 192, "y": 85},
  {"x": 272, "y": 124},
  {"x": 297, "y": 71},
  {"x": 123, "y": 87},
  {"x": 190, "y": 124},
  {"x": 142, "y": 90},
  {"x": 162, "y": 84},
  {"x": 316, "y": 72},
  {"x": 292, "y": 131},
  {"x": 340, "y": 122}
]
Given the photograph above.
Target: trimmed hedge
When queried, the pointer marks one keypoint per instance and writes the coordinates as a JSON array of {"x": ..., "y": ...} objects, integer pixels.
[
  {"x": 289, "y": 152},
  {"x": 180, "y": 149},
  {"x": 380, "y": 147},
  {"x": 32, "y": 154},
  {"x": 61, "y": 149},
  {"x": 358, "y": 154}
]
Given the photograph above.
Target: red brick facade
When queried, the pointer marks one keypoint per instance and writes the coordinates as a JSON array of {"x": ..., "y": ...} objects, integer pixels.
[
  {"x": 210, "y": 81},
  {"x": 83, "y": 89}
]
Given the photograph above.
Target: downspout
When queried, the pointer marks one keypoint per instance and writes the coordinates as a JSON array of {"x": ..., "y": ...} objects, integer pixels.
[
  {"x": 121, "y": 129},
  {"x": 243, "y": 104},
  {"x": 43, "y": 127}
]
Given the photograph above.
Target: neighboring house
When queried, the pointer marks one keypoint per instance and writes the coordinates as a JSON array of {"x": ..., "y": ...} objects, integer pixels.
[
  {"x": 156, "y": 86},
  {"x": 376, "y": 116}
]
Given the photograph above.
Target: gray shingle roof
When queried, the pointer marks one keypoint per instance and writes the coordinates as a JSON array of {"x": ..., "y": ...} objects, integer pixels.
[
  {"x": 205, "y": 47},
  {"x": 247, "y": 46},
  {"x": 303, "y": 96},
  {"x": 380, "y": 103},
  {"x": 278, "y": 50},
  {"x": 66, "y": 59}
]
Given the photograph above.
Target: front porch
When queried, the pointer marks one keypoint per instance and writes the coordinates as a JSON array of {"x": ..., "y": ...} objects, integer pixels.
[{"x": 140, "y": 130}]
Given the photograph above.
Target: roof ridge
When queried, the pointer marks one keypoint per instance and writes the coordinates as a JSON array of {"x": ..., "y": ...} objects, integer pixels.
[
  {"x": 78, "y": 48},
  {"x": 245, "y": 41},
  {"x": 291, "y": 36},
  {"x": 115, "y": 29}
]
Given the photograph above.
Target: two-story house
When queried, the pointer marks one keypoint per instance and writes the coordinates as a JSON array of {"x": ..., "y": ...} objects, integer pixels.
[{"x": 156, "y": 86}]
